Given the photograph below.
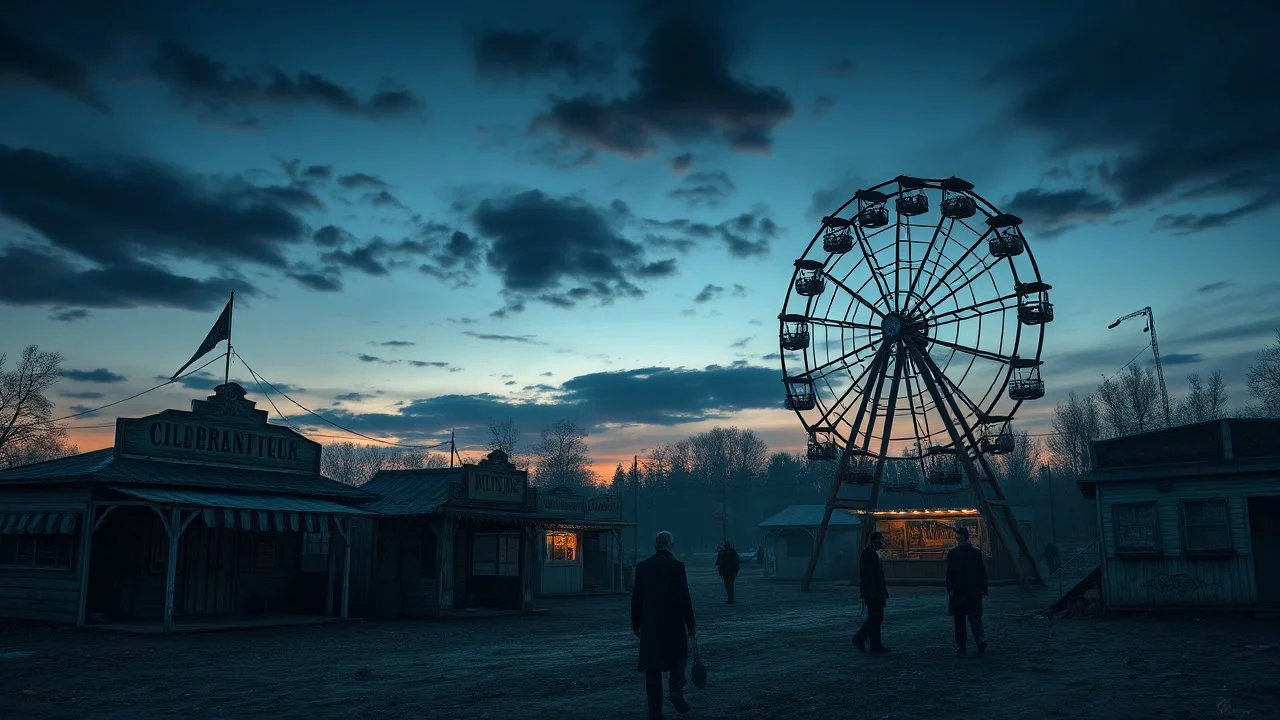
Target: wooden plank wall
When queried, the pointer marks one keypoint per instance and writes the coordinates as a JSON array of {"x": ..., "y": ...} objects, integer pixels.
[
  {"x": 1173, "y": 578},
  {"x": 50, "y": 595}
]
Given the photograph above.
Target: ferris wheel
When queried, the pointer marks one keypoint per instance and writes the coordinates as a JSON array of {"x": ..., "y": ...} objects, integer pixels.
[{"x": 914, "y": 334}]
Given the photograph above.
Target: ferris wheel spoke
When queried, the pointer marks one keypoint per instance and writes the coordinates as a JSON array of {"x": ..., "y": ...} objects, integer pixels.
[
  {"x": 924, "y": 259},
  {"x": 874, "y": 407},
  {"x": 948, "y": 410},
  {"x": 973, "y": 309},
  {"x": 979, "y": 272},
  {"x": 922, "y": 417},
  {"x": 876, "y": 362},
  {"x": 856, "y": 296},
  {"x": 830, "y": 363},
  {"x": 898, "y": 362},
  {"x": 869, "y": 255},
  {"x": 832, "y": 322},
  {"x": 986, "y": 354},
  {"x": 939, "y": 281}
]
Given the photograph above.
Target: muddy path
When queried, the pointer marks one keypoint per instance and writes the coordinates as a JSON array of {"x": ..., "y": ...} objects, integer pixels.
[{"x": 776, "y": 653}]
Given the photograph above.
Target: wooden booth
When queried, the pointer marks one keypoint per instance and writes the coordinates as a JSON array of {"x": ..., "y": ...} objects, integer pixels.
[
  {"x": 583, "y": 552},
  {"x": 789, "y": 537},
  {"x": 450, "y": 539},
  {"x": 193, "y": 517},
  {"x": 1190, "y": 516},
  {"x": 919, "y": 529}
]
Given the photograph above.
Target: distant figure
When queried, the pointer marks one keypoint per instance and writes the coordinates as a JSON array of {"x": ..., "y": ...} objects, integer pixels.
[
  {"x": 661, "y": 614},
  {"x": 1051, "y": 557},
  {"x": 875, "y": 593},
  {"x": 966, "y": 586},
  {"x": 728, "y": 564},
  {"x": 760, "y": 555}
]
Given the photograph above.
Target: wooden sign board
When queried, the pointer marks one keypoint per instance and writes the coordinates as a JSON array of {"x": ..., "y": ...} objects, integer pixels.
[
  {"x": 226, "y": 428},
  {"x": 604, "y": 507},
  {"x": 562, "y": 501},
  {"x": 495, "y": 487}
]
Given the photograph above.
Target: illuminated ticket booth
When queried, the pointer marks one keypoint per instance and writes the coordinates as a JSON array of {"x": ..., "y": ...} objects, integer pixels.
[
  {"x": 917, "y": 539},
  {"x": 581, "y": 552}
]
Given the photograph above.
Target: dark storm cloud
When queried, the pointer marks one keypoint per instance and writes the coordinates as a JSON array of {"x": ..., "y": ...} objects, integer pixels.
[
  {"x": 527, "y": 339},
  {"x": 68, "y": 314},
  {"x": 382, "y": 198},
  {"x": 656, "y": 395},
  {"x": 25, "y": 58},
  {"x": 353, "y": 397},
  {"x": 331, "y": 236},
  {"x": 708, "y": 293},
  {"x": 1213, "y": 287},
  {"x": 1179, "y": 359},
  {"x": 374, "y": 359},
  {"x": 710, "y": 189},
  {"x": 317, "y": 281},
  {"x": 362, "y": 181},
  {"x": 745, "y": 235},
  {"x": 464, "y": 321},
  {"x": 685, "y": 90},
  {"x": 127, "y": 208},
  {"x": 428, "y": 363},
  {"x": 395, "y": 343},
  {"x": 682, "y": 162},
  {"x": 1052, "y": 212},
  {"x": 196, "y": 79},
  {"x": 1185, "y": 119},
  {"x": 30, "y": 277},
  {"x": 506, "y": 55},
  {"x": 87, "y": 395},
  {"x": 100, "y": 375},
  {"x": 207, "y": 381},
  {"x": 537, "y": 243}
]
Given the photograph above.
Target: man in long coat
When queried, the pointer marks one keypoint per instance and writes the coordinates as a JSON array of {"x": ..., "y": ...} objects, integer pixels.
[
  {"x": 661, "y": 616},
  {"x": 874, "y": 592},
  {"x": 966, "y": 586},
  {"x": 728, "y": 564}
]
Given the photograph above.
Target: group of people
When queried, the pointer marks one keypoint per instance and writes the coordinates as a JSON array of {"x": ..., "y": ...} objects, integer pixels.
[
  {"x": 662, "y": 609},
  {"x": 966, "y": 587}
]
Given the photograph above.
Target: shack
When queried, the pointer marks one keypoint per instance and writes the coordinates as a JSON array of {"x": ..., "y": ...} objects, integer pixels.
[
  {"x": 210, "y": 515},
  {"x": 581, "y": 553},
  {"x": 451, "y": 539},
  {"x": 1187, "y": 516},
  {"x": 788, "y": 542}
]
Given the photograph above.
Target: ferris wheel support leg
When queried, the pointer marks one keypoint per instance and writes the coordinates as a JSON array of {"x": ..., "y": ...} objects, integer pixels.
[
  {"x": 867, "y": 523},
  {"x": 876, "y": 367},
  {"x": 1015, "y": 529},
  {"x": 946, "y": 406}
]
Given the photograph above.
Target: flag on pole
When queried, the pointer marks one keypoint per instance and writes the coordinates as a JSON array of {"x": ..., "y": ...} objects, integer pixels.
[{"x": 220, "y": 331}]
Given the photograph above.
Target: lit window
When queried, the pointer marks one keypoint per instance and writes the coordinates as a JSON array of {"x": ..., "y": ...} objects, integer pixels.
[{"x": 562, "y": 547}]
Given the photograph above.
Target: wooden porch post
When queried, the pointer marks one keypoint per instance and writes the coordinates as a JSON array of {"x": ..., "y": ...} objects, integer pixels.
[
  {"x": 526, "y": 569},
  {"x": 346, "y": 568},
  {"x": 86, "y": 552},
  {"x": 174, "y": 527},
  {"x": 444, "y": 564},
  {"x": 333, "y": 573}
]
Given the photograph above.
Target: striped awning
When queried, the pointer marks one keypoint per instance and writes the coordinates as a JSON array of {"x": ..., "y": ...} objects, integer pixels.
[
  {"x": 266, "y": 521},
  {"x": 52, "y": 523}
]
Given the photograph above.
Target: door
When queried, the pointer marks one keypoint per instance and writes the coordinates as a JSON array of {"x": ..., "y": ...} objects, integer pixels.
[
  {"x": 595, "y": 561},
  {"x": 208, "y": 583},
  {"x": 1265, "y": 540}
]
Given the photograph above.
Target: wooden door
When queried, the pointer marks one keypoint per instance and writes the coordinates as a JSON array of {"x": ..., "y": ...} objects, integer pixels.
[
  {"x": 1265, "y": 542},
  {"x": 208, "y": 586}
]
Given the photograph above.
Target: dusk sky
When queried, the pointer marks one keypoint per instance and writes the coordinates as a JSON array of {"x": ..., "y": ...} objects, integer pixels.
[{"x": 436, "y": 215}]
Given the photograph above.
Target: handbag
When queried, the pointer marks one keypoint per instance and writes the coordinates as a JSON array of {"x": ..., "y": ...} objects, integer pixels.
[{"x": 699, "y": 672}]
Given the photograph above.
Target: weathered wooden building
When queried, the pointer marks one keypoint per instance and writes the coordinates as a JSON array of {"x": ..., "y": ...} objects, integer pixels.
[
  {"x": 197, "y": 515},
  {"x": 582, "y": 552},
  {"x": 789, "y": 537},
  {"x": 448, "y": 539},
  {"x": 1190, "y": 516}
]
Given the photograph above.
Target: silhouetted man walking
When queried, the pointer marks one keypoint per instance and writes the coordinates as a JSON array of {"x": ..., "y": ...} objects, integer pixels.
[
  {"x": 728, "y": 563},
  {"x": 661, "y": 616},
  {"x": 1051, "y": 557},
  {"x": 966, "y": 586},
  {"x": 875, "y": 593}
]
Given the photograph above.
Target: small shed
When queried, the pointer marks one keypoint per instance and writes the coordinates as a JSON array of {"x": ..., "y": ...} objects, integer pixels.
[
  {"x": 788, "y": 542},
  {"x": 1187, "y": 516},
  {"x": 200, "y": 516}
]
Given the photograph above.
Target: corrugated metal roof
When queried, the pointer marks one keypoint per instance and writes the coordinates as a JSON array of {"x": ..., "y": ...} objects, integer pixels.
[
  {"x": 234, "y": 501},
  {"x": 411, "y": 492},
  {"x": 103, "y": 466},
  {"x": 806, "y": 516}
]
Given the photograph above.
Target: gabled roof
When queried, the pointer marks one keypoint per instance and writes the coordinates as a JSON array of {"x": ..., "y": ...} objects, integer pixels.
[
  {"x": 102, "y": 467},
  {"x": 411, "y": 492},
  {"x": 808, "y": 516}
]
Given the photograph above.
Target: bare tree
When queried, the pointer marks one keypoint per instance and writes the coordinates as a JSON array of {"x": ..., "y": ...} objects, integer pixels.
[
  {"x": 1021, "y": 466},
  {"x": 1075, "y": 424},
  {"x": 26, "y": 435},
  {"x": 1264, "y": 382},
  {"x": 349, "y": 462},
  {"x": 1131, "y": 403},
  {"x": 1204, "y": 402},
  {"x": 411, "y": 459},
  {"x": 505, "y": 436},
  {"x": 562, "y": 456}
]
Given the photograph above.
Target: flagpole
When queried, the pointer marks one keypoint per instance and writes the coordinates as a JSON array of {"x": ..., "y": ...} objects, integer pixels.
[{"x": 226, "y": 373}]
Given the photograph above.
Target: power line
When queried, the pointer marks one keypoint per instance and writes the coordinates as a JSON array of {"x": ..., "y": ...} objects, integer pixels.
[
  {"x": 327, "y": 420},
  {"x": 131, "y": 397}
]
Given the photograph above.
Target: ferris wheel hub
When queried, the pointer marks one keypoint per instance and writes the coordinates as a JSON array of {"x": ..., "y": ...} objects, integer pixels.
[{"x": 892, "y": 326}]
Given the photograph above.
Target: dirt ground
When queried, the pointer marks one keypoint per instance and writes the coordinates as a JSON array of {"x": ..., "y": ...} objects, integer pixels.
[{"x": 777, "y": 653}]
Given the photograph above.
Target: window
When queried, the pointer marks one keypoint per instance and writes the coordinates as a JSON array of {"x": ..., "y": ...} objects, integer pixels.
[
  {"x": 562, "y": 547},
  {"x": 51, "y": 552},
  {"x": 495, "y": 554},
  {"x": 1205, "y": 526},
  {"x": 1137, "y": 527}
]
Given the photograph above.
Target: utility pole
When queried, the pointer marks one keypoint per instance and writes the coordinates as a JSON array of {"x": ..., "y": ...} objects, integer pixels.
[{"x": 453, "y": 449}]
